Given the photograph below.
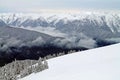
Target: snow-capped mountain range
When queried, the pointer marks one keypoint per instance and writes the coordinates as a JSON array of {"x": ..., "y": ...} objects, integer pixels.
[{"x": 93, "y": 24}]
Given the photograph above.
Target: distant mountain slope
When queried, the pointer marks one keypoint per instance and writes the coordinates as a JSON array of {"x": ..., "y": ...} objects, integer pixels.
[
  {"x": 22, "y": 34},
  {"x": 2, "y": 23},
  {"x": 97, "y": 64},
  {"x": 16, "y": 43}
]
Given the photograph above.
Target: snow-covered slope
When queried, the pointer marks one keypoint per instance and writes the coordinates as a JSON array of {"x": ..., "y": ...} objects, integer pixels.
[{"x": 97, "y": 64}]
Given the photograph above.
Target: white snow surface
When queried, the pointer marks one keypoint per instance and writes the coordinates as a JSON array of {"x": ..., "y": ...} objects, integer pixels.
[{"x": 96, "y": 64}]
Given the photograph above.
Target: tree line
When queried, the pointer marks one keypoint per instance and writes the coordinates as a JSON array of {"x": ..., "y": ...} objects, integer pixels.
[{"x": 19, "y": 69}]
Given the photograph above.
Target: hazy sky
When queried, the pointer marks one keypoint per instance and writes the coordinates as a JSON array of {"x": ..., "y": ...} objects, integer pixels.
[{"x": 36, "y": 5}]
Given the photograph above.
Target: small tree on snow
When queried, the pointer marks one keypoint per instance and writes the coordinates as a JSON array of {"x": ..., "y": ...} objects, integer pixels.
[{"x": 45, "y": 64}]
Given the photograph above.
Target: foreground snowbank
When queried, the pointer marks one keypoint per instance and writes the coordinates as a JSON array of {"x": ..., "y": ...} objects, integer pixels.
[{"x": 96, "y": 64}]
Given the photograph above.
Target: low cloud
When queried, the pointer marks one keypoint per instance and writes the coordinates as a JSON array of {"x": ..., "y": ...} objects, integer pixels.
[
  {"x": 10, "y": 42},
  {"x": 68, "y": 42},
  {"x": 87, "y": 43},
  {"x": 38, "y": 42},
  {"x": 47, "y": 30},
  {"x": 74, "y": 42}
]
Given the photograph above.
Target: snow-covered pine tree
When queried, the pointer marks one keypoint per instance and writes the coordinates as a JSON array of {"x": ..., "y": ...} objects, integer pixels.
[
  {"x": 20, "y": 69},
  {"x": 45, "y": 64},
  {"x": 39, "y": 67}
]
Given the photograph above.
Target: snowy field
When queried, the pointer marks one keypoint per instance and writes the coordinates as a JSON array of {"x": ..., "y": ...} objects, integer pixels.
[{"x": 96, "y": 64}]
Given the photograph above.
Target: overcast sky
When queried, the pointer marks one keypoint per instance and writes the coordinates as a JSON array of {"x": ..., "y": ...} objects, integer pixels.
[{"x": 35, "y": 5}]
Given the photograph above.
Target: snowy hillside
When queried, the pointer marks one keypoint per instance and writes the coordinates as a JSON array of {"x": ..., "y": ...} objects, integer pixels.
[{"x": 96, "y": 64}]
